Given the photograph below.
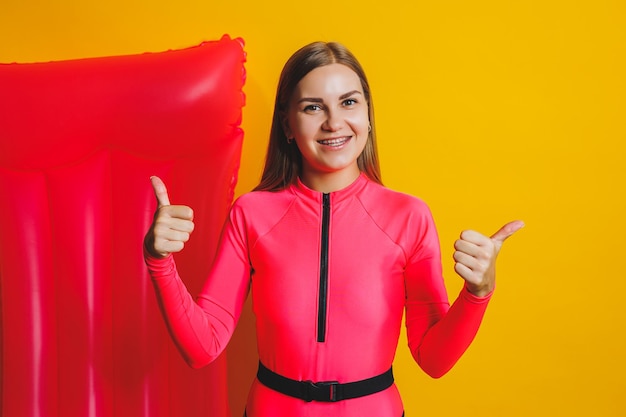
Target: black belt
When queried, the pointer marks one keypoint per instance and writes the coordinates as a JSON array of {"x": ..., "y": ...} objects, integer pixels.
[{"x": 328, "y": 391}]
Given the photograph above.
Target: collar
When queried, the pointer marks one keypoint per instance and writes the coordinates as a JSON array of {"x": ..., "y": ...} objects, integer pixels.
[{"x": 301, "y": 190}]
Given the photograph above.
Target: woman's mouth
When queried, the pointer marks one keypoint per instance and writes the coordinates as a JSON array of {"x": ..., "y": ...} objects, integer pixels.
[{"x": 334, "y": 142}]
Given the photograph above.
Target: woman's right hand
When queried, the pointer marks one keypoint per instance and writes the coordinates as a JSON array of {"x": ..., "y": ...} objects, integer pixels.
[{"x": 171, "y": 227}]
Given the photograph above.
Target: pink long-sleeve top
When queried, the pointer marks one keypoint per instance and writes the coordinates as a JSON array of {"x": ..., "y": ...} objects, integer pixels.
[{"x": 330, "y": 276}]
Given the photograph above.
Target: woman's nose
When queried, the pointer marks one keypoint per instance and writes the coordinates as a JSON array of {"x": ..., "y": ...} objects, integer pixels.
[{"x": 333, "y": 121}]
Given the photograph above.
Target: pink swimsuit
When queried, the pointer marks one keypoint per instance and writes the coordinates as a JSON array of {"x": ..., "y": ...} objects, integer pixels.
[{"x": 330, "y": 276}]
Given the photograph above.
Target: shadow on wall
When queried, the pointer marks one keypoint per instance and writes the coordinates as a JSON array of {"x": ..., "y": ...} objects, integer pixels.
[{"x": 243, "y": 360}]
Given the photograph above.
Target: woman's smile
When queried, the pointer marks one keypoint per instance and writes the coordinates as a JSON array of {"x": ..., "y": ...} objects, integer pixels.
[{"x": 335, "y": 142}]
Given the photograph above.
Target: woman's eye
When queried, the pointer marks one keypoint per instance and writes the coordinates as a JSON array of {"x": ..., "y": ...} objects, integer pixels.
[
  {"x": 312, "y": 108},
  {"x": 349, "y": 102}
]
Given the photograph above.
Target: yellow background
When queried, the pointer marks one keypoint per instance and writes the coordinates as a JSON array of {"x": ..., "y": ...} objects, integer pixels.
[{"x": 488, "y": 110}]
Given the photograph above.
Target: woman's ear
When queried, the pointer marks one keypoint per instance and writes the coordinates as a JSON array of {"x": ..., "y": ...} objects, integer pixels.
[{"x": 285, "y": 124}]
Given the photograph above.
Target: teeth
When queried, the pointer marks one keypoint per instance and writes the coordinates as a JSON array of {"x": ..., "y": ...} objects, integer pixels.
[{"x": 333, "y": 142}]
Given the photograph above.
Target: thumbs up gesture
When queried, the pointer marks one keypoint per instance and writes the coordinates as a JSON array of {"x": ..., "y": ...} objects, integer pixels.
[
  {"x": 171, "y": 227},
  {"x": 475, "y": 256}
]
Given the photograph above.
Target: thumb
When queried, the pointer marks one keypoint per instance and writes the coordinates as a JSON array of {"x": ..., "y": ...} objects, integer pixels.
[
  {"x": 160, "y": 191},
  {"x": 506, "y": 231}
]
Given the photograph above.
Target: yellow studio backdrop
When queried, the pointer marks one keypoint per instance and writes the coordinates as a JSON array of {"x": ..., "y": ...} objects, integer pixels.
[{"x": 489, "y": 111}]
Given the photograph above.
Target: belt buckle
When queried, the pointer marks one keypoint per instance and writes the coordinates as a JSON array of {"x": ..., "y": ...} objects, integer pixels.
[{"x": 325, "y": 391}]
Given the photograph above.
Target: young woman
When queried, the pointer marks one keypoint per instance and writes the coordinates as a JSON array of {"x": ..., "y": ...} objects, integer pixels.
[{"x": 331, "y": 256}]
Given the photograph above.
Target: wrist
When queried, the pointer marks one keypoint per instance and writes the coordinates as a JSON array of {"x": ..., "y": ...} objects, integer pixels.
[{"x": 480, "y": 291}]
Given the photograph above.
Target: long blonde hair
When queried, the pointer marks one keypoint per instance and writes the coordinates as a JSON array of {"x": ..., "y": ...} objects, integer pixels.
[{"x": 283, "y": 161}]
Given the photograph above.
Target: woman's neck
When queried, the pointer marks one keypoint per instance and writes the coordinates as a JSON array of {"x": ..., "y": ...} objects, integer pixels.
[{"x": 328, "y": 182}]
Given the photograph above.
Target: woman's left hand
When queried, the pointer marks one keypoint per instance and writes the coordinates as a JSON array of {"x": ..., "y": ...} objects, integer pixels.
[{"x": 476, "y": 254}]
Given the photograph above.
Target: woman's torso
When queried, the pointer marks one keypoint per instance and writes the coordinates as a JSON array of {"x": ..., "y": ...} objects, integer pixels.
[{"x": 328, "y": 300}]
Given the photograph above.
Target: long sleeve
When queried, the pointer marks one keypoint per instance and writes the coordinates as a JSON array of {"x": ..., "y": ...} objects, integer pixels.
[
  {"x": 201, "y": 328},
  {"x": 438, "y": 334},
  {"x": 443, "y": 343}
]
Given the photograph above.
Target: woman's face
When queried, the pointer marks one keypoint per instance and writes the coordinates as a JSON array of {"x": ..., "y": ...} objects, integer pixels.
[{"x": 329, "y": 120}]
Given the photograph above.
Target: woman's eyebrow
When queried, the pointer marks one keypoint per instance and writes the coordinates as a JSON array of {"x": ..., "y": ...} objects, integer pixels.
[
  {"x": 319, "y": 100},
  {"x": 348, "y": 94},
  {"x": 311, "y": 99}
]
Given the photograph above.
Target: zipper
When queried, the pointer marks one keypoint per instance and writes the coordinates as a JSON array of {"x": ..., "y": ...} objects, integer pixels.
[{"x": 322, "y": 305}]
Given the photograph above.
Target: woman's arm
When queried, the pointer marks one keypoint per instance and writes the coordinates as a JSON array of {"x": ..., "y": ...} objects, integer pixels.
[
  {"x": 200, "y": 328},
  {"x": 438, "y": 334}
]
